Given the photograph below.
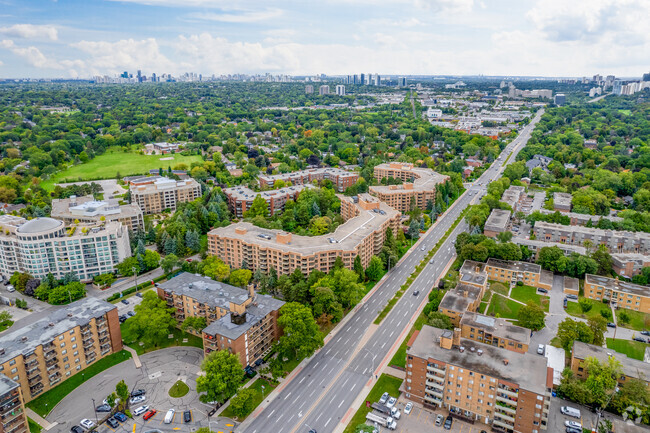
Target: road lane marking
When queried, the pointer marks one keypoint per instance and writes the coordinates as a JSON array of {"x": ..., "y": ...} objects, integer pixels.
[
  {"x": 287, "y": 396},
  {"x": 302, "y": 380},
  {"x": 328, "y": 421}
]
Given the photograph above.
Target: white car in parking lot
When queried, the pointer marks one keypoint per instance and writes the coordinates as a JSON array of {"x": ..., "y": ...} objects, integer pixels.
[
  {"x": 391, "y": 402},
  {"x": 408, "y": 408},
  {"x": 87, "y": 424},
  {"x": 138, "y": 399},
  {"x": 139, "y": 411},
  {"x": 573, "y": 424}
]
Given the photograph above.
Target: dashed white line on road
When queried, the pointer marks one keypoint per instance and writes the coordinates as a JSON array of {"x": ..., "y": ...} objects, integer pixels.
[
  {"x": 285, "y": 397},
  {"x": 328, "y": 421},
  {"x": 302, "y": 380}
]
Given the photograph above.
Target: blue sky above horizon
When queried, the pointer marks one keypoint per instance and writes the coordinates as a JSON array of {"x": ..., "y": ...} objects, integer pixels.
[{"x": 82, "y": 38}]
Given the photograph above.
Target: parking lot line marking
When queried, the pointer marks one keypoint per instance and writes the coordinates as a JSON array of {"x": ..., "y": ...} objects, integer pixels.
[{"x": 419, "y": 413}]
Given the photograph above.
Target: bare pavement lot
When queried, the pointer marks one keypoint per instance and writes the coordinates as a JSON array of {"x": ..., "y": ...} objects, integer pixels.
[{"x": 160, "y": 370}]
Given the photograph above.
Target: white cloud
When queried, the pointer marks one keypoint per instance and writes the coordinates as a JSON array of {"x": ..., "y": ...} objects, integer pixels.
[
  {"x": 32, "y": 55},
  {"x": 243, "y": 17},
  {"x": 31, "y": 31},
  {"x": 127, "y": 54}
]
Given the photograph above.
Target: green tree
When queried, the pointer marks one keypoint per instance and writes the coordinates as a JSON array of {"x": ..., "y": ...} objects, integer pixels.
[
  {"x": 194, "y": 324},
  {"x": 570, "y": 330},
  {"x": 601, "y": 378},
  {"x": 169, "y": 262},
  {"x": 127, "y": 266},
  {"x": 325, "y": 302},
  {"x": 259, "y": 208},
  {"x": 213, "y": 267},
  {"x": 531, "y": 316},
  {"x": 19, "y": 280},
  {"x": 598, "y": 326},
  {"x": 122, "y": 392},
  {"x": 240, "y": 277},
  {"x": 504, "y": 237},
  {"x": 552, "y": 259},
  {"x": 301, "y": 336},
  {"x": 439, "y": 320},
  {"x": 152, "y": 323},
  {"x": 585, "y": 305},
  {"x": 193, "y": 241},
  {"x": 243, "y": 403},
  {"x": 223, "y": 375},
  {"x": 364, "y": 428},
  {"x": 358, "y": 268},
  {"x": 66, "y": 293},
  {"x": 375, "y": 269},
  {"x": 151, "y": 260}
]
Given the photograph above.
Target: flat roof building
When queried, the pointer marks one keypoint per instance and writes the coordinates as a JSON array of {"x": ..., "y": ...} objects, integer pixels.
[
  {"x": 534, "y": 245},
  {"x": 581, "y": 219},
  {"x": 44, "y": 245},
  {"x": 623, "y": 294},
  {"x": 52, "y": 345},
  {"x": 512, "y": 195},
  {"x": 155, "y": 194},
  {"x": 632, "y": 368},
  {"x": 457, "y": 301},
  {"x": 571, "y": 286},
  {"x": 629, "y": 264},
  {"x": 474, "y": 274},
  {"x": 240, "y": 198},
  {"x": 13, "y": 418},
  {"x": 497, "y": 222},
  {"x": 88, "y": 210},
  {"x": 419, "y": 187},
  {"x": 507, "y": 390},
  {"x": 342, "y": 179},
  {"x": 362, "y": 234},
  {"x": 562, "y": 201},
  {"x": 238, "y": 320},
  {"x": 494, "y": 332},
  {"x": 511, "y": 272}
]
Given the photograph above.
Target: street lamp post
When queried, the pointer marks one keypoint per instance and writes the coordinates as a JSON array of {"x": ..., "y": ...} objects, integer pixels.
[
  {"x": 135, "y": 275},
  {"x": 95, "y": 410},
  {"x": 600, "y": 411}
]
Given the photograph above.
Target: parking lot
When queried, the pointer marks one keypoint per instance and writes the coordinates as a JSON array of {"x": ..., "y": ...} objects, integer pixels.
[{"x": 424, "y": 420}]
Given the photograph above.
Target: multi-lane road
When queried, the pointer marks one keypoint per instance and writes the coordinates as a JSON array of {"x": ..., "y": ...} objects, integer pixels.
[{"x": 322, "y": 392}]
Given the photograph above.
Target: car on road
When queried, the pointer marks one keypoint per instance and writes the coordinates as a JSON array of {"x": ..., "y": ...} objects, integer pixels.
[
  {"x": 76, "y": 429},
  {"x": 311, "y": 430},
  {"x": 187, "y": 416},
  {"x": 139, "y": 295},
  {"x": 103, "y": 408},
  {"x": 138, "y": 392},
  {"x": 416, "y": 292},
  {"x": 384, "y": 398},
  {"x": 541, "y": 348},
  {"x": 11, "y": 288},
  {"x": 112, "y": 422},
  {"x": 87, "y": 424},
  {"x": 448, "y": 422},
  {"x": 439, "y": 420},
  {"x": 540, "y": 290},
  {"x": 572, "y": 424},
  {"x": 639, "y": 339},
  {"x": 408, "y": 408},
  {"x": 611, "y": 325},
  {"x": 645, "y": 332},
  {"x": 149, "y": 414},
  {"x": 423, "y": 248},
  {"x": 125, "y": 301},
  {"x": 169, "y": 416},
  {"x": 139, "y": 411},
  {"x": 391, "y": 402},
  {"x": 138, "y": 399},
  {"x": 120, "y": 417}
]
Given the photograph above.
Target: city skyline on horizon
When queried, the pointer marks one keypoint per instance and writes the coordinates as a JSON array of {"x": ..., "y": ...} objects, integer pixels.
[{"x": 81, "y": 39}]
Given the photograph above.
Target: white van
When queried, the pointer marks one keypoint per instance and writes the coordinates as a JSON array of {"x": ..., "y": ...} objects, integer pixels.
[
  {"x": 10, "y": 288},
  {"x": 170, "y": 416},
  {"x": 570, "y": 411}
]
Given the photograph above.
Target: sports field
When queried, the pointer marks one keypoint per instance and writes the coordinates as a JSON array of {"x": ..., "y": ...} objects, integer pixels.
[{"x": 115, "y": 161}]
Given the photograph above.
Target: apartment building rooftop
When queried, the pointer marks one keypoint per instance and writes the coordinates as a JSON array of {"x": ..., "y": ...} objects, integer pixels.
[
  {"x": 226, "y": 326},
  {"x": 497, "y": 327},
  {"x": 571, "y": 284},
  {"x": 536, "y": 244},
  {"x": 583, "y": 218},
  {"x": 631, "y": 367},
  {"x": 346, "y": 236},
  {"x": 149, "y": 185},
  {"x": 245, "y": 193},
  {"x": 333, "y": 171},
  {"x": 527, "y": 370},
  {"x": 424, "y": 178},
  {"x": 460, "y": 298},
  {"x": 512, "y": 195},
  {"x": 6, "y": 385},
  {"x": 618, "y": 285},
  {"x": 514, "y": 265},
  {"x": 562, "y": 200},
  {"x": 590, "y": 231},
  {"x": 205, "y": 290},
  {"x": 497, "y": 221},
  {"x": 473, "y": 272},
  {"x": 87, "y": 206},
  {"x": 42, "y": 327}
]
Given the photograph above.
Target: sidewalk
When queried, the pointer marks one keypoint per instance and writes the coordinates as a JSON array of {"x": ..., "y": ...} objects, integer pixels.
[
  {"x": 39, "y": 420},
  {"x": 134, "y": 354}
]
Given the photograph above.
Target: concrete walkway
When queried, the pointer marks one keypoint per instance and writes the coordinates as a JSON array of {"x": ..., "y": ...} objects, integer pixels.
[
  {"x": 39, "y": 420},
  {"x": 395, "y": 372},
  {"x": 134, "y": 354}
]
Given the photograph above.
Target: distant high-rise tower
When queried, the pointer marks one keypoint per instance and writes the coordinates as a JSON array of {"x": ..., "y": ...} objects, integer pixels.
[
  {"x": 560, "y": 99},
  {"x": 324, "y": 90},
  {"x": 377, "y": 80},
  {"x": 340, "y": 90},
  {"x": 617, "y": 88},
  {"x": 401, "y": 82},
  {"x": 309, "y": 89},
  {"x": 362, "y": 79}
]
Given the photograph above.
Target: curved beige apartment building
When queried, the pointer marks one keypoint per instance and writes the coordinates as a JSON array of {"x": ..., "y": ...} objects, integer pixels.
[
  {"x": 420, "y": 185},
  {"x": 362, "y": 234}
]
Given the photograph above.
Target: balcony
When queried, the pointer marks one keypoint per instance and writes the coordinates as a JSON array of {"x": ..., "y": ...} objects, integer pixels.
[
  {"x": 33, "y": 372},
  {"x": 504, "y": 399},
  {"x": 435, "y": 393},
  {"x": 435, "y": 377},
  {"x": 53, "y": 367},
  {"x": 435, "y": 385},
  {"x": 508, "y": 392},
  {"x": 433, "y": 400},
  {"x": 504, "y": 418},
  {"x": 34, "y": 380},
  {"x": 505, "y": 409},
  {"x": 31, "y": 364},
  {"x": 436, "y": 370},
  {"x": 88, "y": 342},
  {"x": 50, "y": 354},
  {"x": 502, "y": 424}
]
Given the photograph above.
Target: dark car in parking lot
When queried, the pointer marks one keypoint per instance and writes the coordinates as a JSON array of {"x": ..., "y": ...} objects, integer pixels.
[
  {"x": 645, "y": 332},
  {"x": 76, "y": 429},
  {"x": 123, "y": 318},
  {"x": 103, "y": 408},
  {"x": 639, "y": 339},
  {"x": 611, "y": 325},
  {"x": 448, "y": 422},
  {"x": 138, "y": 392},
  {"x": 112, "y": 422},
  {"x": 187, "y": 416},
  {"x": 125, "y": 301},
  {"x": 131, "y": 313},
  {"x": 120, "y": 417},
  {"x": 542, "y": 290}
]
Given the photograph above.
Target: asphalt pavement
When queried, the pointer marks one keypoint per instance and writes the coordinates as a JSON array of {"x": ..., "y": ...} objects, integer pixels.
[{"x": 324, "y": 390}]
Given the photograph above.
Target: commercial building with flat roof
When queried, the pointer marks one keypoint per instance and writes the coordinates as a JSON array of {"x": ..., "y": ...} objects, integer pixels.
[
  {"x": 623, "y": 294},
  {"x": 562, "y": 201},
  {"x": 494, "y": 332},
  {"x": 12, "y": 407},
  {"x": 504, "y": 389},
  {"x": 240, "y": 321},
  {"x": 362, "y": 234},
  {"x": 629, "y": 264},
  {"x": 88, "y": 210},
  {"x": 615, "y": 241},
  {"x": 632, "y": 368},
  {"x": 56, "y": 344},
  {"x": 155, "y": 194},
  {"x": 419, "y": 187},
  {"x": 45, "y": 245},
  {"x": 240, "y": 198},
  {"x": 342, "y": 179},
  {"x": 511, "y": 272},
  {"x": 497, "y": 222}
]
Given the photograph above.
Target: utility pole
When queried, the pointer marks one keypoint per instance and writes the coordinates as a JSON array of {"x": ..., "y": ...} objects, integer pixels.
[
  {"x": 95, "y": 410},
  {"x": 135, "y": 274}
]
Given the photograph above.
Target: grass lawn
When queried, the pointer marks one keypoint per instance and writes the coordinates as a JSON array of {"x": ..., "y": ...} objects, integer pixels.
[
  {"x": 399, "y": 360},
  {"x": 385, "y": 383},
  {"x": 257, "y": 398},
  {"x": 451, "y": 279},
  {"x": 625, "y": 112},
  {"x": 573, "y": 308},
  {"x": 482, "y": 307},
  {"x": 633, "y": 349},
  {"x": 528, "y": 293},
  {"x": 6, "y": 324},
  {"x": 33, "y": 426},
  {"x": 44, "y": 403},
  {"x": 638, "y": 321},
  {"x": 499, "y": 288},
  {"x": 179, "y": 389},
  {"x": 504, "y": 307},
  {"x": 179, "y": 336},
  {"x": 107, "y": 166}
]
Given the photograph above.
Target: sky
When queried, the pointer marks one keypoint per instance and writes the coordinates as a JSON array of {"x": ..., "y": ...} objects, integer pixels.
[{"x": 554, "y": 38}]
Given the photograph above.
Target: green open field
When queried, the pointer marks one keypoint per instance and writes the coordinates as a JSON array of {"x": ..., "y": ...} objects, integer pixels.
[
  {"x": 504, "y": 307},
  {"x": 528, "y": 293},
  {"x": 638, "y": 321},
  {"x": 385, "y": 383},
  {"x": 633, "y": 349},
  {"x": 107, "y": 166},
  {"x": 573, "y": 308}
]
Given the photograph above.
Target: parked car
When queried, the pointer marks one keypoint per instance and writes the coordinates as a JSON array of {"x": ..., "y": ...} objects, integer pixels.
[
  {"x": 573, "y": 430},
  {"x": 571, "y": 411},
  {"x": 645, "y": 332},
  {"x": 572, "y": 424},
  {"x": 103, "y": 408},
  {"x": 448, "y": 422},
  {"x": 384, "y": 398},
  {"x": 155, "y": 430},
  {"x": 138, "y": 399},
  {"x": 187, "y": 416},
  {"x": 138, "y": 392},
  {"x": 611, "y": 325},
  {"x": 87, "y": 424},
  {"x": 542, "y": 290},
  {"x": 139, "y": 295},
  {"x": 408, "y": 408},
  {"x": 131, "y": 313},
  {"x": 169, "y": 416},
  {"x": 541, "y": 348},
  {"x": 11, "y": 288},
  {"x": 123, "y": 318},
  {"x": 139, "y": 411},
  {"x": 105, "y": 401},
  {"x": 125, "y": 301},
  {"x": 391, "y": 402},
  {"x": 439, "y": 420},
  {"x": 574, "y": 297},
  {"x": 639, "y": 339},
  {"x": 120, "y": 417},
  {"x": 112, "y": 422},
  {"x": 149, "y": 414},
  {"x": 76, "y": 429}
]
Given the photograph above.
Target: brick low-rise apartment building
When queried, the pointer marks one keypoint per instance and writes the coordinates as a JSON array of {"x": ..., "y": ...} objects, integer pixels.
[
  {"x": 506, "y": 390},
  {"x": 55, "y": 345},
  {"x": 155, "y": 194},
  {"x": 419, "y": 187},
  {"x": 238, "y": 320},
  {"x": 511, "y": 272},
  {"x": 632, "y": 368},
  {"x": 496, "y": 223},
  {"x": 342, "y": 179},
  {"x": 494, "y": 332},
  {"x": 629, "y": 264},
  {"x": 240, "y": 198},
  {"x": 623, "y": 294},
  {"x": 362, "y": 234},
  {"x": 12, "y": 407},
  {"x": 615, "y": 241},
  {"x": 459, "y": 300}
]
